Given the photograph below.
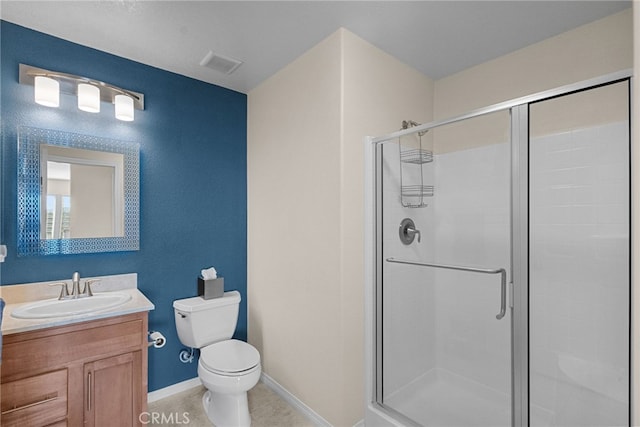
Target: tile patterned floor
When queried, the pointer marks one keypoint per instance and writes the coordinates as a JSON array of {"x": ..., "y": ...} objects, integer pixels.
[{"x": 266, "y": 407}]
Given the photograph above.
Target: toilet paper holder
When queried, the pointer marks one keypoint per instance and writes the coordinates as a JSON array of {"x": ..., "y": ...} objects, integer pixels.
[{"x": 156, "y": 339}]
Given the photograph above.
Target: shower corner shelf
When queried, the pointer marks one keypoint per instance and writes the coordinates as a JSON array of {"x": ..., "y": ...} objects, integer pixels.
[
  {"x": 416, "y": 156},
  {"x": 413, "y": 195}
]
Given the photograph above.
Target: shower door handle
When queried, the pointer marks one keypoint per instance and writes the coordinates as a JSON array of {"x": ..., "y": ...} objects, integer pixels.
[
  {"x": 503, "y": 293},
  {"x": 501, "y": 271}
]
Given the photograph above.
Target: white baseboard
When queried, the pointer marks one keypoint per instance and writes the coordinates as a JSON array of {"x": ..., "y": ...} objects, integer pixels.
[
  {"x": 294, "y": 401},
  {"x": 173, "y": 389},
  {"x": 359, "y": 424}
]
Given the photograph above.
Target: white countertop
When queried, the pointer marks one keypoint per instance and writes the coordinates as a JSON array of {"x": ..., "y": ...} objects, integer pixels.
[{"x": 17, "y": 296}]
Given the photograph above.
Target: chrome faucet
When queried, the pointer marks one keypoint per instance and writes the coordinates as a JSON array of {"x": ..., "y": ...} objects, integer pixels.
[{"x": 75, "y": 285}]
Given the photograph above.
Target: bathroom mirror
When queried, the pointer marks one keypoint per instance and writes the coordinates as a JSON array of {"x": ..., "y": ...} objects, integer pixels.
[{"x": 76, "y": 193}]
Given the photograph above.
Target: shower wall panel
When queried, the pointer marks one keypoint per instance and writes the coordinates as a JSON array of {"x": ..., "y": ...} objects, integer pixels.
[
  {"x": 579, "y": 277},
  {"x": 472, "y": 215}
]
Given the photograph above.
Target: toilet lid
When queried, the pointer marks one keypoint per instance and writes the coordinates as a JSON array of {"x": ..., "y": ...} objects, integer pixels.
[{"x": 230, "y": 356}]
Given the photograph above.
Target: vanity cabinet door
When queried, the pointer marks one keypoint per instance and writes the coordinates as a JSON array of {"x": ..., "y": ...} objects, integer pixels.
[{"x": 112, "y": 391}]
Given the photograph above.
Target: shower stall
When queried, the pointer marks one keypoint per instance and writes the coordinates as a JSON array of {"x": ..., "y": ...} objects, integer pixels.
[{"x": 498, "y": 264}]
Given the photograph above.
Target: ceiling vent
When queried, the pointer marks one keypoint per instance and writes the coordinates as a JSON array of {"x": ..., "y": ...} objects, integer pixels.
[{"x": 220, "y": 63}]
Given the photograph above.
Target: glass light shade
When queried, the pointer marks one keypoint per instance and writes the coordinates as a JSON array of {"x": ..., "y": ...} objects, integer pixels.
[
  {"x": 47, "y": 91},
  {"x": 124, "y": 108},
  {"x": 88, "y": 98}
]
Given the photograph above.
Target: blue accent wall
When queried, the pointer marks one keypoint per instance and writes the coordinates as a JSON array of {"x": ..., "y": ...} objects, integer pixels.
[{"x": 193, "y": 197}]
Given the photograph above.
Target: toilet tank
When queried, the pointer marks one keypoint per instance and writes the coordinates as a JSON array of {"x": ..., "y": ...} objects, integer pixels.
[{"x": 201, "y": 322}]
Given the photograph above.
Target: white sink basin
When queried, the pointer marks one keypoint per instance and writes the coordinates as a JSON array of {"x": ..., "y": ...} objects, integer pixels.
[{"x": 70, "y": 307}]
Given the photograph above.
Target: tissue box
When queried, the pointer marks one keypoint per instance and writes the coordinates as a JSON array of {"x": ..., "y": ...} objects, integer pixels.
[{"x": 212, "y": 288}]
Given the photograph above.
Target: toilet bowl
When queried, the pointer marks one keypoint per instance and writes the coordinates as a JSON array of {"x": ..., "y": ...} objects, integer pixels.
[{"x": 228, "y": 368}]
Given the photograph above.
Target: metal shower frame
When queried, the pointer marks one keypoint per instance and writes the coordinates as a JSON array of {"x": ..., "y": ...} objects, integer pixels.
[{"x": 518, "y": 295}]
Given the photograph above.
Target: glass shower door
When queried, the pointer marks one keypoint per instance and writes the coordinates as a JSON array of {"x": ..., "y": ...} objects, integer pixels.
[
  {"x": 444, "y": 352},
  {"x": 579, "y": 274}
]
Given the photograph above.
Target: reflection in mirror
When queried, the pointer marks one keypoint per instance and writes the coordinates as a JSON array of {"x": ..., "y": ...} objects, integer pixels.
[
  {"x": 76, "y": 193},
  {"x": 82, "y": 193}
]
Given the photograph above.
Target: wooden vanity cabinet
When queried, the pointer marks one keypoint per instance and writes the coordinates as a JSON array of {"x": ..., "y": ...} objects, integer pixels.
[{"x": 91, "y": 373}]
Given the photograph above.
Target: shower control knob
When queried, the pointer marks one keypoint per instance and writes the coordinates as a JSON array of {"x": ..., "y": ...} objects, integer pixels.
[{"x": 408, "y": 231}]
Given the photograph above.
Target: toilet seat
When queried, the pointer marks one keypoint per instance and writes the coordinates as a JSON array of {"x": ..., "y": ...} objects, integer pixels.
[{"x": 229, "y": 357}]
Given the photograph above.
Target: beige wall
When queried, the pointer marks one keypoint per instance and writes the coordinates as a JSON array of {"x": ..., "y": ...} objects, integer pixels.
[
  {"x": 306, "y": 126},
  {"x": 92, "y": 201},
  {"x": 293, "y": 166},
  {"x": 592, "y": 50},
  {"x": 595, "y": 49}
]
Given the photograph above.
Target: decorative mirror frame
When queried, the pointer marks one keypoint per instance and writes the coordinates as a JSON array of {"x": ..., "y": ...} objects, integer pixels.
[{"x": 29, "y": 241}]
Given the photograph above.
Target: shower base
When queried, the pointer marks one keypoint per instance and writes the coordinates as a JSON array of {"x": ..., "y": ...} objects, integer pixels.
[{"x": 442, "y": 398}]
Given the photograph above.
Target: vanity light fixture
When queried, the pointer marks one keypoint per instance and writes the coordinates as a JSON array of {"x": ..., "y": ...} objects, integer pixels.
[{"x": 49, "y": 84}]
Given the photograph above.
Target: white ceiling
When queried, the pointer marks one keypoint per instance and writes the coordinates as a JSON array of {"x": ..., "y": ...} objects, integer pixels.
[{"x": 437, "y": 38}]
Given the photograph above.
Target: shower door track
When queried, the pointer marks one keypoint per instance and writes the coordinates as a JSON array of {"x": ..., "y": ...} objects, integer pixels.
[
  {"x": 519, "y": 244},
  {"x": 548, "y": 94}
]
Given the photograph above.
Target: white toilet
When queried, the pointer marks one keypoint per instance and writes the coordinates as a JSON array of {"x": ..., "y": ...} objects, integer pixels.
[{"x": 227, "y": 368}]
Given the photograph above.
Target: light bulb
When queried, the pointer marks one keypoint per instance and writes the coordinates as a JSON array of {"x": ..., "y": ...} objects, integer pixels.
[
  {"x": 88, "y": 98},
  {"x": 124, "y": 108},
  {"x": 47, "y": 91}
]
